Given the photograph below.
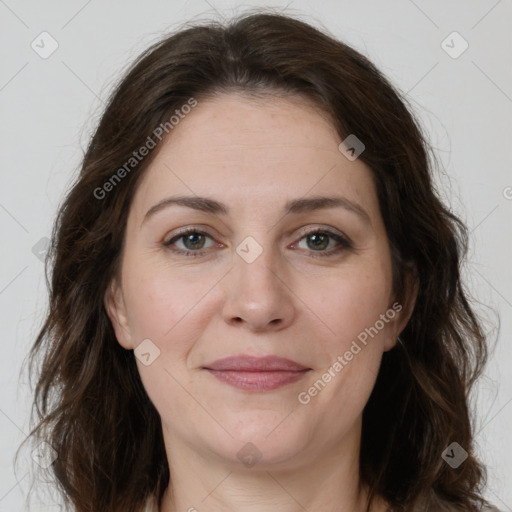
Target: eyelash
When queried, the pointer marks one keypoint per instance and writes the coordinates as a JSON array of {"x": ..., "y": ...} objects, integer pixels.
[{"x": 344, "y": 242}]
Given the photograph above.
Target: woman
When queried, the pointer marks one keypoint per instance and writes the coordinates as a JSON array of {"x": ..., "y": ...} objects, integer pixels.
[{"x": 255, "y": 297}]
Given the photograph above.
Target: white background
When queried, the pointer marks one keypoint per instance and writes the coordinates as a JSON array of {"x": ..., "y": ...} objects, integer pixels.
[{"x": 49, "y": 107}]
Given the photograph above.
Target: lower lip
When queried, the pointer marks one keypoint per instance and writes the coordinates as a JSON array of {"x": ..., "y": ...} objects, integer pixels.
[{"x": 257, "y": 381}]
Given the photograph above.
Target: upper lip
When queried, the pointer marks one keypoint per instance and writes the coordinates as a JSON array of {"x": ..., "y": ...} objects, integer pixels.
[{"x": 255, "y": 364}]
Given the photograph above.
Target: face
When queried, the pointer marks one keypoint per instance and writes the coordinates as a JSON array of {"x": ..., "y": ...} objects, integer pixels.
[{"x": 263, "y": 271}]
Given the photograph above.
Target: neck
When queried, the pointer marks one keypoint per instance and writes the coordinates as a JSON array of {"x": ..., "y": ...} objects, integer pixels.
[{"x": 328, "y": 482}]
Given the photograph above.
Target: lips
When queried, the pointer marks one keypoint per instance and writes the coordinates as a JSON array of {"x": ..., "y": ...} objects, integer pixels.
[
  {"x": 256, "y": 373},
  {"x": 255, "y": 364}
]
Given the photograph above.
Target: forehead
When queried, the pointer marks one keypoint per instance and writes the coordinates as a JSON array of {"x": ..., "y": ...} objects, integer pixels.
[
  {"x": 256, "y": 152},
  {"x": 252, "y": 120}
]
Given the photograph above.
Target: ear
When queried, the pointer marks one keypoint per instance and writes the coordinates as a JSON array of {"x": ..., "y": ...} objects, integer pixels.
[
  {"x": 116, "y": 311},
  {"x": 403, "y": 310}
]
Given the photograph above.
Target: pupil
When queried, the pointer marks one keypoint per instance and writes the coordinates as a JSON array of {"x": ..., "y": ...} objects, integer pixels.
[
  {"x": 318, "y": 237},
  {"x": 190, "y": 238}
]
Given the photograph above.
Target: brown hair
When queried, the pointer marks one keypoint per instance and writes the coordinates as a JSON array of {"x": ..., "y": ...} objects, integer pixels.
[{"x": 90, "y": 403}]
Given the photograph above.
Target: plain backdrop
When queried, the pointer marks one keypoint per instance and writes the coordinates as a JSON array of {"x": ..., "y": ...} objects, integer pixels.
[{"x": 50, "y": 106}]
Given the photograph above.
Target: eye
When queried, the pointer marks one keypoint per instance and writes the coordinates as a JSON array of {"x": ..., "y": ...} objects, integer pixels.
[
  {"x": 319, "y": 240},
  {"x": 193, "y": 239}
]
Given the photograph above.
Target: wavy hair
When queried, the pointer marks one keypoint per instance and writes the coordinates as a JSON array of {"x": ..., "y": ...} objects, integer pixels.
[{"x": 89, "y": 402}]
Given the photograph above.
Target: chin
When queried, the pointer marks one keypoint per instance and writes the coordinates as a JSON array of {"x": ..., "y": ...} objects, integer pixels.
[{"x": 264, "y": 439}]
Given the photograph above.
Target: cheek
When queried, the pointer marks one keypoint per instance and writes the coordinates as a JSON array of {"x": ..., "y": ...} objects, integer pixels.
[
  {"x": 354, "y": 303},
  {"x": 352, "y": 308},
  {"x": 343, "y": 385},
  {"x": 170, "y": 307},
  {"x": 358, "y": 300},
  {"x": 157, "y": 298},
  {"x": 164, "y": 308}
]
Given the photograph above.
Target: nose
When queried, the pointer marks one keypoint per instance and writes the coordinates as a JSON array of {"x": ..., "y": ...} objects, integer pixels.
[{"x": 259, "y": 295}]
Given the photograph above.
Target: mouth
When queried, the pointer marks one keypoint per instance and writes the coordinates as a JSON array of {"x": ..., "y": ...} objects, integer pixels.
[{"x": 256, "y": 373}]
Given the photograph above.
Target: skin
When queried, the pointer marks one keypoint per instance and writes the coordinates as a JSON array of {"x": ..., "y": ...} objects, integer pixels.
[{"x": 254, "y": 156}]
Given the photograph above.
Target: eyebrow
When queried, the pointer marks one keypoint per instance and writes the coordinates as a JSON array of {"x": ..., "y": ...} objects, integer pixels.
[{"x": 292, "y": 207}]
